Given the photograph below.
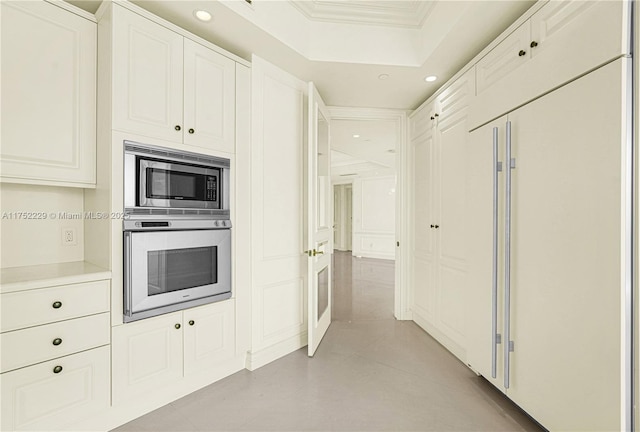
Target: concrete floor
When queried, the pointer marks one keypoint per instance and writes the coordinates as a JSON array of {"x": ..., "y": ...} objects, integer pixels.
[{"x": 370, "y": 373}]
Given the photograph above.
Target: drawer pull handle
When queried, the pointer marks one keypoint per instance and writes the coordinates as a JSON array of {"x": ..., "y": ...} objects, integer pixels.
[
  {"x": 192, "y": 322},
  {"x": 57, "y": 369},
  {"x": 177, "y": 326},
  {"x": 57, "y": 341},
  {"x": 57, "y": 305}
]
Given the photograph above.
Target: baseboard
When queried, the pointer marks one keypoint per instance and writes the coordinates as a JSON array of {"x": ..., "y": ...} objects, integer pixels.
[
  {"x": 439, "y": 336},
  {"x": 259, "y": 358}
]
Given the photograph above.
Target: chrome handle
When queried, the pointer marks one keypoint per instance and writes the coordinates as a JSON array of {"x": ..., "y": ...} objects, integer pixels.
[
  {"x": 508, "y": 344},
  {"x": 127, "y": 281},
  {"x": 495, "y": 338}
]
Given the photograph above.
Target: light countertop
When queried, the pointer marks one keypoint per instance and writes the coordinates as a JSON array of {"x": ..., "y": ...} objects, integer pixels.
[{"x": 46, "y": 275}]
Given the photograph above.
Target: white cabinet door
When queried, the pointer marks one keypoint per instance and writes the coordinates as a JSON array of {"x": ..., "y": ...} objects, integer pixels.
[
  {"x": 423, "y": 238},
  {"x": 48, "y": 95},
  {"x": 504, "y": 59},
  {"x": 146, "y": 356},
  {"x": 56, "y": 394},
  {"x": 450, "y": 204},
  {"x": 209, "y": 336},
  {"x": 147, "y": 77},
  {"x": 209, "y": 98},
  {"x": 566, "y": 244}
]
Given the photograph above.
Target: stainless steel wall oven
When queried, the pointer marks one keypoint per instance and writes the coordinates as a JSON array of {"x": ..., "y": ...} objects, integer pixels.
[{"x": 177, "y": 232}]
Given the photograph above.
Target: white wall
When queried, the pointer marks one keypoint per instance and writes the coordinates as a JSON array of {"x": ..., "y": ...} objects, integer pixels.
[
  {"x": 374, "y": 206},
  {"x": 32, "y": 224}
]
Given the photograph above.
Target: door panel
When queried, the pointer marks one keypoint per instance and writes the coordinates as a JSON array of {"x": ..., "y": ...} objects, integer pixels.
[
  {"x": 479, "y": 164},
  {"x": 566, "y": 264},
  {"x": 147, "y": 87},
  {"x": 209, "y": 98},
  {"x": 319, "y": 222}
]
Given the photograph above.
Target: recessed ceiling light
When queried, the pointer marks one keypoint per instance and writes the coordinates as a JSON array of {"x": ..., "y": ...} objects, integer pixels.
[
  {"x": 356, "y": 136},
  {"x": 202, "y": 15},
  {"x": 431, "y": 78},
  {"x": 383, "y": 76}
]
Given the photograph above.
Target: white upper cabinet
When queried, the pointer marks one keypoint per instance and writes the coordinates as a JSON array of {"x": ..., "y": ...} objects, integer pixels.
[
  {"x": 209, "y": 98},
  {"x": 147, "y": 64},
  {"x": 560, "y": 42},
  {"x": 169, "y": 87},
  {"x": 48, "y": 95}
]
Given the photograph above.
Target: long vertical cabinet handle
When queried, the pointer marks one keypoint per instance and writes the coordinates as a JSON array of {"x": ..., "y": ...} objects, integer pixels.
[
  {"x": 495, "y": 337},
  {"x": 508, "y": 344},
  {"x": 128, "y": 300}
]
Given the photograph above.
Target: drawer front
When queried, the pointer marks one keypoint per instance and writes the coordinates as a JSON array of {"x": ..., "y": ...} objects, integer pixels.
[
  {"x": 25, "y": 347},
  {"x": 37, "y": 398},
  {"x": 43, "y": 306}
]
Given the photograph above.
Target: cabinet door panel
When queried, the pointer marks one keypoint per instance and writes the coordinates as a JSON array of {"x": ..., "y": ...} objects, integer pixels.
[
  {"x": 36, "y": 398},
  {"x": 147, "y": 77},
  {"x": 209, "y": 98},
  {"x": 504, "y": 59},
  {"x": 451, "y": 198},
  {"x": 210, "y": 339},
  {"x": 48, "y": 94},
  {"x": 423, "y": 239},
  {"x": 566, "y": 244},
  {"x": 146, "y": 355}
]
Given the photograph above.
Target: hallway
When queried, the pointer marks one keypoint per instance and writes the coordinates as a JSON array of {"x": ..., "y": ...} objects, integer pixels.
[{"x": 370, "y": 373}]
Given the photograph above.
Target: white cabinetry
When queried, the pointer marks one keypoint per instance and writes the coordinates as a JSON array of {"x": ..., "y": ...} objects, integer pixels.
[
  {"x": 439, "y": 262},
  {"x": 169, "y": 87},
  {"x": 560, "y": 42},
  {"x": 55, "y": 355},
  {"x": 565, "y": 266},
  {"x": 48, "y": 95},
  {"x": 157, "y": 352}
]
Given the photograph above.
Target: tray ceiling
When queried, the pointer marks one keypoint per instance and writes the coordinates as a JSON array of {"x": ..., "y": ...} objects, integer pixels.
[{"x": 399, "y": 13}]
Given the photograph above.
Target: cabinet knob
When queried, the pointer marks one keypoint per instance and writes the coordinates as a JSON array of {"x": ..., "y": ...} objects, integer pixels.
[
  {"x": 533, "y": 44},
  {"x": 57, "y": 305},
  {"x": 178, "y": 127},
  {"x": 522, "y": 52},
  {"x": 57, "y": 369},
  {"x": 192, "y": 322},
  {"x": 177, "y": 326},
  {"x": 436, "y": 115},
  {"x": 192, "y": 131},
  {"x": 433, "y": 118},
  {"x": 436, "y": 226},
  {"x": 433, "y": 226},
  {"x": 57, "y": 341}
]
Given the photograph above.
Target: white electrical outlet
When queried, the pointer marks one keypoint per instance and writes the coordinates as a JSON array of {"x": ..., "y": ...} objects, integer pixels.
[{"x": 69, "y": 236}]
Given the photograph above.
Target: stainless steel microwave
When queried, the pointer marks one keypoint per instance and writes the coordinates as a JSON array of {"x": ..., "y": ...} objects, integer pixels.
[{"x": 169, "y": 182}]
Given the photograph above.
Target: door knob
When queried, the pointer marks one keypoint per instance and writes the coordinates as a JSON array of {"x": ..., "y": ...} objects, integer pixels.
[{"x": 313, "y": 252}]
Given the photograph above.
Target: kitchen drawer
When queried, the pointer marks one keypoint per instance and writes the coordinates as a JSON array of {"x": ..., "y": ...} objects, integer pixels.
[
  {"x": 46, "y": 305},
  {"x": 38, "y": 398},
  {"x": 25, "y": 347}
]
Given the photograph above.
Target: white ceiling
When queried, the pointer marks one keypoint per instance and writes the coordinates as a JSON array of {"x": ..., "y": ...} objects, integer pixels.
[
  {"x": 343, "y": 51},
  {"x": 371, "y": 153}
]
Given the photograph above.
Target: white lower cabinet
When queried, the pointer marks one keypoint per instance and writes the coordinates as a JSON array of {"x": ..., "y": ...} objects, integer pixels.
[
  {"x": 55, "y": 394},
  {"x": 154, "y": 353}
]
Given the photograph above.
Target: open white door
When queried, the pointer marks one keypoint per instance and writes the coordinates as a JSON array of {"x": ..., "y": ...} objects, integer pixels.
[{"x": 319, "y": 238}]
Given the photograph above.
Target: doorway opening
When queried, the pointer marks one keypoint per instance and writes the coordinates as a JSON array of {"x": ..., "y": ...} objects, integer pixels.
[{"x": 365, "y": 147}]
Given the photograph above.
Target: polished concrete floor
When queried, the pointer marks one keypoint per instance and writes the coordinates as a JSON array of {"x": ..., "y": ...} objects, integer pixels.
[{"x": 370, "y": 373}]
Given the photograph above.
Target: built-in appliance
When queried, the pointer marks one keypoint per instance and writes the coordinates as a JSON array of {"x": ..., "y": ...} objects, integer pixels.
[
  {"x": 176, "y": 233},
  {"x": 167, "y": 182}
]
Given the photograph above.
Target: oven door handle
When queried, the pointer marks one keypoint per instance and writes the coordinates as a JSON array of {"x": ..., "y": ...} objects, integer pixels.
[{"x": 127, "y": 297}]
